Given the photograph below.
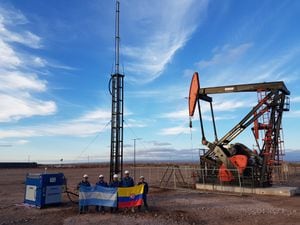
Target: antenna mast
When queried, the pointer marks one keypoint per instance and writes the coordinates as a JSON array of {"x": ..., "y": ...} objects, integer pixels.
[
  {"x": 117, "y": 93},
  {"x": 117, "y": 37}
]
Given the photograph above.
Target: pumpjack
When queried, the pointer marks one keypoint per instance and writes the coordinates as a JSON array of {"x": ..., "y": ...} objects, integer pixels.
[{"x": 225, "y": 158}]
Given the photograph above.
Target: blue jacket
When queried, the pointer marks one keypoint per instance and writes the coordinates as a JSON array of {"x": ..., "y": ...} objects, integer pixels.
[
  {"x": 102, "y": 184},
  {"x": 127, "y": 182},
  {"x": 115, "y": 184},
  {"x": 83, "y": 183}
]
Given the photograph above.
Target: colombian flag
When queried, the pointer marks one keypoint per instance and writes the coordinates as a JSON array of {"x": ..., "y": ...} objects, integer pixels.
[{"x": 130, "y": 196}]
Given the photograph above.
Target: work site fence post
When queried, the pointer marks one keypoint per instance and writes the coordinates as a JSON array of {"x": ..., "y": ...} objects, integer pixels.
[
  {"x": 149, "y": 173},
  {"x": 202, "y": 173},
  {"x": 174, "y": 176},
  {"x": 240, "y": 184}
]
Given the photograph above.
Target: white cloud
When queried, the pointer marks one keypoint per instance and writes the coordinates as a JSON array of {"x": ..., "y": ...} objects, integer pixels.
[
  {"x": 12, "y": 16},
  {"x": 21, "y": 142},
  {"x": 19, "y": 133},
  {"x": 65, "y": 128},
  {"x": 143, "y": 94},
  {"x": 38, "y": 61},
  {"x": 57, "y": 65},
  {"x": 135, "y": 123},
  {"x": 158, "y": 143},
  {"x": 98, "y": 114},
  {"x": 175, "y": 130},
  {"x": 221, "y": 105},
  {"x": 168, "y": 153},
  {"x": 14, "y": 108},
  {"x": 169, "y": 27},
  {"x": 74, "y": 128},
  {"x": 181, "y": 114},
  {"x": 23, "y": 37},
  {"x": 231, "y": 105},
  {"x": 162, "y": 94},
  {"x": 8, "y": 58},
  {"x": 295, "y": 99},
  {"x": 275, "y": 68},
  {"x": 293, "y": 114},
  {"x": 18, "y": 81},
  {"x": 281, "y": 65},
  {"x": 90, "y": 123},
  {"x": 18, "y": 87},
  {"x": 226, "y": 54},
  {"x": 187, "y": 73}
]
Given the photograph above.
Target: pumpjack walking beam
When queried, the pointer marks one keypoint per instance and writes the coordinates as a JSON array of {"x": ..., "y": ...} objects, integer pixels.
[{"x": 266, "y": 86}]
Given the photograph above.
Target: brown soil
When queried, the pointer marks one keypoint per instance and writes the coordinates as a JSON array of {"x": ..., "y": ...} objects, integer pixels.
[{"x": 166, "y": 206}]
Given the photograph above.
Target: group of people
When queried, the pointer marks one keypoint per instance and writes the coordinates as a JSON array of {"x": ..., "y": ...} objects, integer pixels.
[{"x": 127, "y": 181}]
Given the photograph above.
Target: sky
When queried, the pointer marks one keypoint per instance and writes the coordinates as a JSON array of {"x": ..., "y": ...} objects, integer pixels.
[{"x": 56, "y": 59}]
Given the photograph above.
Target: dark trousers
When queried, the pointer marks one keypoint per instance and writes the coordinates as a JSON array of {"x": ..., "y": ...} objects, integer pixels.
[
  {"x": 83, "y": 209},
  {"x": 144, "y": 202},
  {"x": 99, "y": 208},
  {"x": 114, "y": 209}
]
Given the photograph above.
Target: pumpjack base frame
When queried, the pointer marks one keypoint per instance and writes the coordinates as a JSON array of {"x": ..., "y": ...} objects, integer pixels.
[{"x": 275, "y": 191}]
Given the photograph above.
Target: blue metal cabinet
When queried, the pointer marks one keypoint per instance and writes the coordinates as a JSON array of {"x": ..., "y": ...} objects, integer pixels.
[{"x": 44, "y": 189}]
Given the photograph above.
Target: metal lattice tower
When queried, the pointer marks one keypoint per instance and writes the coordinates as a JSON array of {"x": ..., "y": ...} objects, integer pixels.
[
  {"x": 117, "y": 93},
  {"x": 272, "y": 150}
]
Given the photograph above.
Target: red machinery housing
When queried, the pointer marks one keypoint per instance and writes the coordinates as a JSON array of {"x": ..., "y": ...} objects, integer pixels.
[{"x": 265, "y": 116}]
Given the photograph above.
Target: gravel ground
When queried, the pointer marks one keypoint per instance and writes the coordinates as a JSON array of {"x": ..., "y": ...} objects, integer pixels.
[{"x": 166, "y": 207}]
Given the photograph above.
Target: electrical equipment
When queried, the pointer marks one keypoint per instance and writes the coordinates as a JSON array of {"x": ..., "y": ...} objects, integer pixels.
[{"x": 44, "y": 189}]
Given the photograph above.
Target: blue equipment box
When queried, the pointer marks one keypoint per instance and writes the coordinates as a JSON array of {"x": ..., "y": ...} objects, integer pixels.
[{"x": 44, "y": 189}]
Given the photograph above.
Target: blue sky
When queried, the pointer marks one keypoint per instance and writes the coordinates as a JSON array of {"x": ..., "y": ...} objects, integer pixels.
[{"x": 56, "y": 58}]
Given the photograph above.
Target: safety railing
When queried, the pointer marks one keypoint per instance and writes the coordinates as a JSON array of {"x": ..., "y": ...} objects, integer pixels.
[{"x": 175, "y": 177}]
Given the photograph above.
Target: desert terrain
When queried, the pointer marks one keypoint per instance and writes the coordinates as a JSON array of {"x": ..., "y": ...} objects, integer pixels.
[{"x": 167, "y": 206}]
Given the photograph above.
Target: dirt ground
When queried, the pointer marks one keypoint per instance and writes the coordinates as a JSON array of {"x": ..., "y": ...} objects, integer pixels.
[{"x": 166, "y": 206}]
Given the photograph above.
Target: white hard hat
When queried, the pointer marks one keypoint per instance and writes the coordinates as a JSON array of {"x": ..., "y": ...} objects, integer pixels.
[
  {"x": 115, "y": 176},
  {"x": 142, "y": 177},
  {"x": 85, "y": 176},
  {"x": 126, "y": 172},
  {"x": 101, "y": 176}
]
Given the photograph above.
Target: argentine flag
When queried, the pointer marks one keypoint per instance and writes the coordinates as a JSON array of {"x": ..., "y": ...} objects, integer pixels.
[{"x": 97, "y": 195}]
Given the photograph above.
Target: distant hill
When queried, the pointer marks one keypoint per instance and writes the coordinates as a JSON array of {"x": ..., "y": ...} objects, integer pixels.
[{"x": 292, "y": 156}]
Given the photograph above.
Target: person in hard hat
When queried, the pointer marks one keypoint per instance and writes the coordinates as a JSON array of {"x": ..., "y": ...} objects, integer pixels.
[
  {"x": 115, "y": 183},
  {"x": 101, "y": 183},
  {"x": 127, "y": 181},
  {"x": 146, "y": 189},
  {"x": 85, "y": 182}
]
